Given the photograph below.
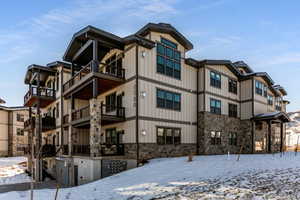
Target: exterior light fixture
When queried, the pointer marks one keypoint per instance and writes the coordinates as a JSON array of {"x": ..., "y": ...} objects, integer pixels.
[
  {"x": 143, "y": 94},
  {"x": 144, "y": 132},
  {"x": 143, "y": 54}
]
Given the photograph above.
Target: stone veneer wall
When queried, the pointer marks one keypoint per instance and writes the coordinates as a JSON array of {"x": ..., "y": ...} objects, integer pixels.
[
  {"x": 211, "y": 122},
  {"x": 153, "y": 150},
  {"x": 95, "y": 128}
]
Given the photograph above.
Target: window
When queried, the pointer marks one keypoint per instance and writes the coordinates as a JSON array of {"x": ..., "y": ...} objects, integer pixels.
[
  {"x": 215, "y": 137},
  {"x": 215, "y": 106},
  {"x": 232, "y": 85},
  {"x": 166, "y": 135},
  {"x": 232, "y": 110},
  {"x": 20, "y": 117},
  {"x": 265, "y": 91},
  {"x": 57, "y": 109},
  {"x": 233, "y": 139},
  {"x": 110, "y": 102},
  {"x": 20, "y": 132},
  {"x": 215, "y": 79},
  {"x": 168, "y": 59},
  {"x": 270, "y": 100},
  {"x": 260, "y": 88},
  {"x": 111, "y": 136},
  {"x": 169, "y": 100}
]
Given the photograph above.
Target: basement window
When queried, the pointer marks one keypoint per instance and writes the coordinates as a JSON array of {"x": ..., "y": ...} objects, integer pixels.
[
  {"x": 233, "y": 139},
  {"x": 167, "y": 135},
  {"x": 215, "y": 137}
]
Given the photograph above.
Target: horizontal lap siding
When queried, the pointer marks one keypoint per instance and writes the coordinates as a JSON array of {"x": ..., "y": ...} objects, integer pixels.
[{"x": 148, "y": 104}]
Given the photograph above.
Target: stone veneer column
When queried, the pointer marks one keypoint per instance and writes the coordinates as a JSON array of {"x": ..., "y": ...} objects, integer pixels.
[
  {"x": 38, "y": 150},
  {"x": 95, "y": 128}
]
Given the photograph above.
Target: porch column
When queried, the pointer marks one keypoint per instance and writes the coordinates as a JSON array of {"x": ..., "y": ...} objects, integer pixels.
[
  {"x": 71, "y": 130},
  {"x": 269, "y": 136},
  {"x": 281, "y": 137},
  {"x": 95, "y": 128},
  {"x": 38, "y": 136}
]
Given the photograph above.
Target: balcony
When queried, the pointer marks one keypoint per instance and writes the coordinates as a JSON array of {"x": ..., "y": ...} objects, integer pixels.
[
  {"x": 48, "y": 150},
  {"x": 106, "y": 150},
  {"x": 29, "y": 124},
  {"x": 48, "y": 123},
  {"x": 112, "y": 149},
  {"x": 81, "y": 84},
  {"x": 81, "y": 117},
  {"x": 111, "y": 114},
  {"x": 46, "y": 96}
]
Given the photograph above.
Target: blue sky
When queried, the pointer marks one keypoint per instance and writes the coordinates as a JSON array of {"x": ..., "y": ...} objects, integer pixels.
[{"x": 264, "y": 34}]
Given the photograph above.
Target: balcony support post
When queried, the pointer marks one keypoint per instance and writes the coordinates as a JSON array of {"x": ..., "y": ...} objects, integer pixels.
[
  {"x": 281, "y": 137},
  {"x": 95, "y": 128},
  {"x": 269, "y": 136},
  {"x": 95, "y": 56}
]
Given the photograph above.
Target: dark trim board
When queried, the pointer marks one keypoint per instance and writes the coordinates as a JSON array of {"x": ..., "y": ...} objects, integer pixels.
[{"x": 167, "y": 85}]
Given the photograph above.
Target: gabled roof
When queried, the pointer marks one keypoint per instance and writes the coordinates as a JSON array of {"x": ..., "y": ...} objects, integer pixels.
[
  {"x": 58, "y": 63},
  {"x": 272, "y": 116},
  {"x": 227, "y": 63},
  {"x": 2, "y": 101},
  {"x": 243, "y": 65},
  {"x": 264, "y": 75},
  {"x": 34, "y": 68},
  {"x": 166, "y": 28},
  {"x": 281, "y": 89},
  {"x": 105, "y": 38}
]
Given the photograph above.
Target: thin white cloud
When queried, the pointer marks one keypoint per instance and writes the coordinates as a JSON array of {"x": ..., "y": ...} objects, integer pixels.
[
  {"x": 25, "y": 38},
  {"x": 283, "y": 59}
]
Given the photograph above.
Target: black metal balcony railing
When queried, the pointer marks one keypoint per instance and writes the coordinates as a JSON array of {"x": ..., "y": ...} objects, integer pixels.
[
  {"x": 80, "y": 149},
  {"x": 112, "y": 111},
  {"x": 81, "y": 113},
  {"x": 48, "y": 150},
  {"x": 48, "y": 123},
  {"x": 278, "y": 108},
  {"x": 112, "y": 149},
  {"x": 39, "y": 92},
  {"x": 65, "y": 149},
  {"x": 93, "y": 66},
  {"x": 29, "y": 123}
]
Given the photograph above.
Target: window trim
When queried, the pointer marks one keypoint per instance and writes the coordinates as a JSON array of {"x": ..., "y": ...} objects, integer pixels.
[
  {"x": 230, "y": 88},
  {"x": 173, "y": 93},
  {"x": 164, "y": 135},
  {"x": 213, "y": 99},
  {"x": 215, "y": 140},
  {"x": 219, "y": 86},
  {"x": 230, "y": 112},
  {"x": 165, "y": 57}
]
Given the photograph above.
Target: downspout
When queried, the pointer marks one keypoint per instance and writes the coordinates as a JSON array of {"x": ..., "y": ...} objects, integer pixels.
[
  {"x": 252, "y": 122},
  {"x": 197, "y": 104},
  {"x": 137, "y": 102}
]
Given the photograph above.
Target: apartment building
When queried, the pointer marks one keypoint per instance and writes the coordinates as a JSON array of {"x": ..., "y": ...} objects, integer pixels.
[
  {"x": 13, "y": 138},
  {"x": 116, "y": 100}
]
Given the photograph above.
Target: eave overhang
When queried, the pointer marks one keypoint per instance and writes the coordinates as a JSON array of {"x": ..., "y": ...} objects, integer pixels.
[
  {"x": 282, "y": 116},
  {"x": 32, "y": 69},
  {"x": 165, "y": 28}
]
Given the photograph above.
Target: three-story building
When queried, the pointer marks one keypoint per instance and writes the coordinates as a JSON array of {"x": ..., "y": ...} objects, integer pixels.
[{"x": 135, "y": 98}]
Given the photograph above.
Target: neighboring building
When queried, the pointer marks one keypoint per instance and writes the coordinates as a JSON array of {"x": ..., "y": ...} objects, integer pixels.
[
  {"x": 139, "y": 97},
  {"x": 293, "y": 131},
  {"x": 13, "y": 138}
]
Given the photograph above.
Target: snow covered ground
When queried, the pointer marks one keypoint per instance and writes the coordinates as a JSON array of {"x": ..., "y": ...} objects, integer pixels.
[
  {"x": 11, "y": 171},
  {"x": 206, "y": 177}
]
